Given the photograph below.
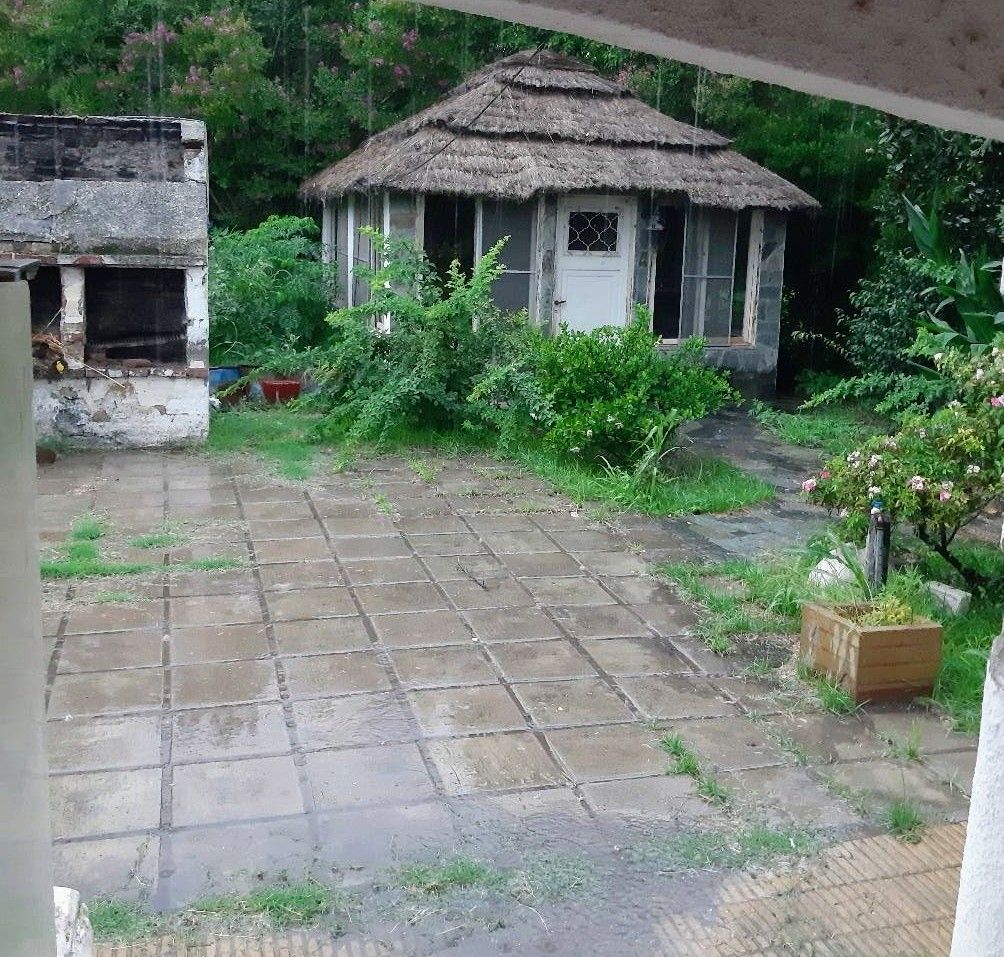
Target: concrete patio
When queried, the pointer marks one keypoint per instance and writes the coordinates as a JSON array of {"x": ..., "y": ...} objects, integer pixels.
[{"x": 403, "y": 668}]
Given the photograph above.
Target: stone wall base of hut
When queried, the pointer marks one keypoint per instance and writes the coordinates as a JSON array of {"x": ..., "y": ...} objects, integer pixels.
[{"x": 752, "y": 369}]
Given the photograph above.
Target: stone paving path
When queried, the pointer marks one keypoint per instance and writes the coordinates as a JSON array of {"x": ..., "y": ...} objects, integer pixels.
[{"x": 412, "y": 660}]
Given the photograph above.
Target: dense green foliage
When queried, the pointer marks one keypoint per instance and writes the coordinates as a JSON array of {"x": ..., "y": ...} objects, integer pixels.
[{"x": 267, "y": 286}]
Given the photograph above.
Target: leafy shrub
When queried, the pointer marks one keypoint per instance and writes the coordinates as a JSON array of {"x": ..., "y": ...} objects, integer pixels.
[
  {"x": 267, "y": 287},
  {"x": 610, "y": 390},
  {"x": 939, "y": 471}
]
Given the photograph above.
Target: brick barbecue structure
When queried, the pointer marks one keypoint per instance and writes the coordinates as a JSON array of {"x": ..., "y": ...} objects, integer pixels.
[{"x": 116, "y": 210}]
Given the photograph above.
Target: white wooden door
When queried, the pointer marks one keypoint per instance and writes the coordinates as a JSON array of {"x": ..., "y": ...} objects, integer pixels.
[{"x": 593, "y": 260}]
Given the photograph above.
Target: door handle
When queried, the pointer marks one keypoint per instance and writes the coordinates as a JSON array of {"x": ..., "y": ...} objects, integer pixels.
[{"x": 560, "y": 302}]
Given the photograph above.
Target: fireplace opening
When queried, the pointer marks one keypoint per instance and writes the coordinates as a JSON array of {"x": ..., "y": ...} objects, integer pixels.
[
  {"x": 135, "y": 314},
  {"x": 46, "y": 293}
]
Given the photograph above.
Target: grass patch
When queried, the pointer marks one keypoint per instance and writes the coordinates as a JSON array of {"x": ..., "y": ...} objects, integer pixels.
[
  {"x": 207, "y": 564},
  {"x": 281, "y": 906},
  {"x": 117, "y": 920},
  {"x": 833, "y": 429},
  {"x": 831, "y": 696},
  {"x": 60, "y": 569},
  {"x": 434, "y": 880},
  {"x": 112, "y": 598},
  {"x": 905, "y": 821},
  {"x": 87, "y": 529},
  {"x": 283, "y": 436},
  {"x": 712, "y": 791},
  {"x": 685, "y": 761},
  {"x": 724, "y": 850},
  {"x": 158, "y": 540}
]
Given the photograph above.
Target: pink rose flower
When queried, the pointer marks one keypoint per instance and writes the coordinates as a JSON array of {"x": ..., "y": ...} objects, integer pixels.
[
  {"x": 825, "y": 474},
  {"x": 997, "y": 401},
  {"x": 809, "y": 485}
]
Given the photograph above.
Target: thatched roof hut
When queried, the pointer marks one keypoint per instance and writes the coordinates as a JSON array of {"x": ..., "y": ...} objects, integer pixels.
[{"x": 606, "y": 202}]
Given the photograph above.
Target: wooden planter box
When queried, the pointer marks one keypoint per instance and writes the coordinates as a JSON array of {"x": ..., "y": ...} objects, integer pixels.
[{"x": 872, "y": 662}]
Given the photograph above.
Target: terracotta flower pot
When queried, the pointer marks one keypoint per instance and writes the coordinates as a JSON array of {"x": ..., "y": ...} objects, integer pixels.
[
  {"x": 280, "y": 390},
  {"x": 871, "y": 662}
]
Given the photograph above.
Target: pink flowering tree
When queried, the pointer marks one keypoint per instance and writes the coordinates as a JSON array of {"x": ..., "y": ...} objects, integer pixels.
[{"x": 939, "y": 472}]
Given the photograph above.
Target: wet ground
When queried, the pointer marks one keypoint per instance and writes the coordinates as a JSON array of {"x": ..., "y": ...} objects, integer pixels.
[{"x": 415, "y": 663}]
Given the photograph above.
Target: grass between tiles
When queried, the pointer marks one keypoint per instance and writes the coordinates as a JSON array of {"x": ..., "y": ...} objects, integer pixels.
[
  {"x": 832, "y": 429},
  {"x": 690, "y": 484}
]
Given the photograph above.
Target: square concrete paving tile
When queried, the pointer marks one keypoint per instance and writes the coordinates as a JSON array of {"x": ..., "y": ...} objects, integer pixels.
[
  {"x": 493, "y": 762},
  {"x": 120, "y": 741},
  {"x": 108, "y": 651},
  {"x": 107, "y": 692},
  {"x": 104, "y": 802},
  {"x": 544, "y": 565},
  {"x": 899, "y": 726},
  {"x": 124, "y": 868},
  {"x": 667, "y": 619},
  {"x": 600, "y": 621},
  {"x": 728, "y": 744},
  {"x": 955, "y": 768},
  {"x": 492, "y": 592},
  {"x": 320, "y": 635},
  {"x": 385, "y": 571},
  {"x": 310, "y": 603},
  {"x": 540, "y": 660},
  {"x": 579, "y": 701},
  {"x": 464, "y": 567},
  {"x": 235, "y": 790},
  {"x": 615, "y": 751},
  {"x": 761, "y": 695},
  {"x": 393, "y": 774},
  {"x": 363, "y": 719},
  {"x": 828, "y": 737},
  {"x": 589, "y": 540},
  {"x": 223, "y": 682},
  {"x": 522, "y": 543},
  {"x": 402, "y": 597},
  {"x": 883, "y": 782},
  {"x": 466, "y": 710},
  {"x": 278, "y": 511},
  {"x": 289, "y": 576},
  {"x": 217, "y": 643},
  {"x": 361, "y": 548},
  {"x": 614, "y": 564},
  {"x": 227, "y": 859},
  {"x": 288, "y": 528},
  {"x": 242, "y": 730},
  {"x": 229, "y": 582},
  {"x": 502, "y": 522},
  {"x": 668, "y": 797},
  {"x": 319, "y": 676},
  {"x": 636, "y": 656},
  {"x": 676, "y": 696},
  {"x": 292, "y": 550},
  {"x": 512, "y": 624},
  {"x": 215, "y": 610},
  {"x": 638, "y": 588},
  {"x": 462, "y": 543},
  {"x": 786, "y": 796},
  {"x": 567, "y": 591},
  {"x": 354, "y": 527},
  {"x": 112, "y": 617},
  {"x": 440, "y": 667},
  {"x": 270, "y": 493},
  {"x": 431, "y": 525},
  {"x": 421, "y": 628}
]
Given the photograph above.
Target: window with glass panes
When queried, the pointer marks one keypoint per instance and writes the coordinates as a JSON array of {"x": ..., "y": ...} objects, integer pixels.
[{"x": 511, "y": 290}]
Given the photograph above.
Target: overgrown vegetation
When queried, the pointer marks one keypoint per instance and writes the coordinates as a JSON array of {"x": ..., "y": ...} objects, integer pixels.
[
  {"x": 833, "y": 428},
  {"x": 723, "y": 850}
]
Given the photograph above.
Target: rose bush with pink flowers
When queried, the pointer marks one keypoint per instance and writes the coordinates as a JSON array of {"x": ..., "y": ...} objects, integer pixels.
[{"x": 940, "y": 471}]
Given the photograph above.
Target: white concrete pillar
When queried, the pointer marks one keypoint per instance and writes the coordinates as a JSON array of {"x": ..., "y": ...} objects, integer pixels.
[
  {"x": 72, "y": 321},
  {"x": 27, "y": 927},
  {"x": 979, "y": 917},
  {"x": 197, "y": 316}
]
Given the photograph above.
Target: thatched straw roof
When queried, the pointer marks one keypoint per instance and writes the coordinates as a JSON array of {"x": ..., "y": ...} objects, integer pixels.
[{"x": 541, "y": 122}]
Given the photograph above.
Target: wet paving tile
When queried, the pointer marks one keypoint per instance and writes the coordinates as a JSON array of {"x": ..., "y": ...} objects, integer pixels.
[
  {"x": 589, "y": 540},
  {"x": 673, "y": 696},
  {"x": 310, "y": 603},
  {"x": 639, "y": 589},
  {"x": 401, "y": 597},
  {"x": 456, "y": 711},
  {"x": 121, "y": 867},
  {"x": 229, "y": 732},
  {"x": 385, "y": 571},
  {"x": 728, "y": 744},
  {"x": 828, "y": 737},
  {"x": 883, "y": 782},
  {"x": 786, "y": 796},
  {"x": 103, "y": 743},
  {"x": 503, "y": 522},
  {"x": 104, "y": 802},
  {"x": 516, "y": 624},
  {"x": 107, "y": 692},
  {"x": 261, "y": 512},
  {"x": 235, "y": 790},
  {"x": 319, "y": 676},
  {"x": 760, "y": 695},
  {"x": 580, "y": 701},
  {"x": 464, "y": 567},
  {"x": 292, "y": 550},
  {"x": 223, "y": 682},
  {"x": 540, "y": 660},
  {"x": 106, "y": 652},
  {"x": 492, "y": 763},
  {"x": 321, "y": 635},
  {"x": 214, "y": 610},
  {"x": 421, "y": 628},
  {"x": 362, "y": 777},
  {"x": 431, "y": 525},
  {"x": 596, "y": 754},
  {"x": 292, "y": 528},
  {"x": 955, "y": 768},
  {"x": 635, "y": 656},
  {"x": 567, "y": 591},
  {"x": 447, "y": 545},
  {"x": 522, "y": 543},
  {"x": 667, "y": 619},
  {"x": 217, "y": 643},
  {"x": 544, "y": 565},
  {"x": 362, "y": 548},
  {"x": 211, "y": 583},
  {"x": 600, "y": 621},
  {"x": 113, "y": 617},
  {"x": 495, "y": 592},
  {"x": 354, "y": 527},
  {"x": 929, "y": 733},
  {"x": 668, "y": 797},
  {"x": 363, "y": 719},
  {"x": 290, "y": 576},
  {"x": 614, "y": 564},
  {"x": 440, "y": 667}
]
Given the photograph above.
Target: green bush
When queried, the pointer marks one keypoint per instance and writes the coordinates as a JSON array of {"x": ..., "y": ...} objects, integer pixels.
[
  {"x": 609, "y": 389},
  {"x": 267, "y": 287}
]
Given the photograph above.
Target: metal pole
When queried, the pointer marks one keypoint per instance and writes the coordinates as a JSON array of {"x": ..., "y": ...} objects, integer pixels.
[
  {"x": 26, "y": 909},
  {"x": 877, "y": 548}
]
